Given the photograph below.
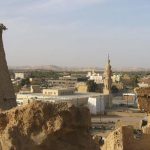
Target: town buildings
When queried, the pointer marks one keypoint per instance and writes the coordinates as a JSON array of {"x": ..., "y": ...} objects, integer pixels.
[
  {"x": 65, "y": 92},
  {"x": 144, "y": 82},
  {"x": 66, "y": 81}
]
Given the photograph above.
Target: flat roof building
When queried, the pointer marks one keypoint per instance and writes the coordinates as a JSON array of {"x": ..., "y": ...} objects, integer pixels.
[
  {"x": 96, "y": 102},
  {"x": 21, "y": 75},
  {"x": 58, "y": 91}
]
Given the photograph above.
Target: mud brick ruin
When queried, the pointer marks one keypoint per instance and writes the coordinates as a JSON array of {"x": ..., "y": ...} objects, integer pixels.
[{"x": 7, "y": 96}]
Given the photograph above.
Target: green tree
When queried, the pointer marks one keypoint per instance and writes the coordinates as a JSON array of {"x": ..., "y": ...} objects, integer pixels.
[
  {"x": 114, "y": 89},
  {"x": 45, "y": 74},
  {"x": 91, "y": 86},
  {"x": 25, "y": 82}
]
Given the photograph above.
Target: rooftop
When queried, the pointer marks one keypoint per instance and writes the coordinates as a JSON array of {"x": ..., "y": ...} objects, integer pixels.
[{"x": 61, "y": 97}]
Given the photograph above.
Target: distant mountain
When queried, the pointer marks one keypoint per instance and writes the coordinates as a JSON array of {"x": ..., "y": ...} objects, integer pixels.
[
  {"x": 131, "y": 69},
  {"x": 59, "y": 68},
  {"x": 55, "y": 68}
]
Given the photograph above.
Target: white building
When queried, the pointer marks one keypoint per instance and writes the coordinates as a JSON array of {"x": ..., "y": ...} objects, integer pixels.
[
  {"x": 95, "y": 76},
  {"x": 96, "y": 102},
  {"x": 116, "y": 78},
  {"x": 97, "y": 105},
  {"x": 20, "y": 75}
]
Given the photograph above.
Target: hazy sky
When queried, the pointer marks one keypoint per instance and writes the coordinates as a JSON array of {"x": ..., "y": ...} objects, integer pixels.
[{"x": 77, "y": 32}]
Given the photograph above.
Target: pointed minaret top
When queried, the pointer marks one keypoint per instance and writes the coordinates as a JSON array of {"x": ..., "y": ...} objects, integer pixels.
[{"x": 108, "y": 59}]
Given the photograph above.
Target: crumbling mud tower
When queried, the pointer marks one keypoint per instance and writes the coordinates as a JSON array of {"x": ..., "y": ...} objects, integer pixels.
[
  {"x": 7, "y": 96},
  {"x": 143, "y": 95},
  {"x": 125, "y": 138}
]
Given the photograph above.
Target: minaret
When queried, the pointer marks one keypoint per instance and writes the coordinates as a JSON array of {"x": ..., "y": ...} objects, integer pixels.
[
  {"x": 7, "y": 95},
  {"x": 107, "y": 78}
]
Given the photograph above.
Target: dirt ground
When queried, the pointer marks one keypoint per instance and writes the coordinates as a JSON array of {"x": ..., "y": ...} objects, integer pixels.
[{"x": 120, "y": 114}]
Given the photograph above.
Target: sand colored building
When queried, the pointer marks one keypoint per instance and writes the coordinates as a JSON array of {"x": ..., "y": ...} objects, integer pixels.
[
  {"x": 82, "y": 87},
  {"x": 58, "y": 91},
  {"x": 143, "y": 96},
  {"x": 124, "y": 138},
  {"x": 7, "y": 96}
]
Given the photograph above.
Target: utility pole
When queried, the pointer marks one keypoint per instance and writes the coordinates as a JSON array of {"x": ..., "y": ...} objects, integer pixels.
[
  {"x": 100, "y": 110},
  {"x": 127, "y": 102}
]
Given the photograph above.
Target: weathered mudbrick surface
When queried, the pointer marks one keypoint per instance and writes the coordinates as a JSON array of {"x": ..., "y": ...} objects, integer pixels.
[
  {"x": 46, "y": 126},
  {"x": 7, "y": 96}
]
